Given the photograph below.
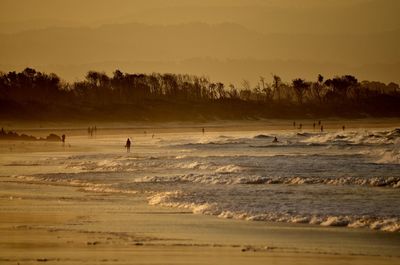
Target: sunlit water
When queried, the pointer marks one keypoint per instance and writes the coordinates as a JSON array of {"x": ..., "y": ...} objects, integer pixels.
[{"x": 344, "y": 178}]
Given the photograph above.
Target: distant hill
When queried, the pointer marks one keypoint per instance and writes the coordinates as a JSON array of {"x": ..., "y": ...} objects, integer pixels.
[{"x": 200, "y": 47}]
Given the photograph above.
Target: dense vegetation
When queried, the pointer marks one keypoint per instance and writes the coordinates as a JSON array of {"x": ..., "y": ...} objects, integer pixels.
[{"x": 33, "y": 95}]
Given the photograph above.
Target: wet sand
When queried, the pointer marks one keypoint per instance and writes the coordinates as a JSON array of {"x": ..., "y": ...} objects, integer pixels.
[
  {"x": 64, "y": 225},
  {"x": 42, "y": 129}
]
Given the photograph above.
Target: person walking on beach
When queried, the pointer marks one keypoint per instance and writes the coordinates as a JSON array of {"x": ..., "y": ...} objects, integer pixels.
[{"x": 128, "y": 145}]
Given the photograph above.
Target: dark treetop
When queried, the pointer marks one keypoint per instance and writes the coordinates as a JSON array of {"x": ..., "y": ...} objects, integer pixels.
[{"x": 33, "y": 95}]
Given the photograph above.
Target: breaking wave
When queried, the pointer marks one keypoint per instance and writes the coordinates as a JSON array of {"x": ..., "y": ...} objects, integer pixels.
[
  {"x": 355, "y": 138},
  {"x": 389, "y": 155},
  {"x": 174, "y": 199},
  {"x": 262, "y": 136},
  {"x": 391, "y": 182}
]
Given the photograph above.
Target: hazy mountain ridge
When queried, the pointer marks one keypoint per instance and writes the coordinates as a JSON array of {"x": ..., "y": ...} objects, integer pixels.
[{"x": 267, "y": 16}]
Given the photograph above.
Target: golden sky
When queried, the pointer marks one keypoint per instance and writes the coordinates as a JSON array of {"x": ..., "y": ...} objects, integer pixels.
[{"x": 226, "y": 40}]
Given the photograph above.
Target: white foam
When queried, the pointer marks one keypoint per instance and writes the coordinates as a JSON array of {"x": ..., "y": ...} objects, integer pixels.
[
  {"x": 354, "y": 137},
  {"x": 181, "y": 156},
  {"x": 163, "y": 197},
  {"x": 390, "y": 155},
  {"x": 335, "y": 221},
  {"x": 192, "y": 165},
  {"x": 178, "y": 199},
  {"x": 224, "y": 178},
  {"x": 229, "y": 169}
]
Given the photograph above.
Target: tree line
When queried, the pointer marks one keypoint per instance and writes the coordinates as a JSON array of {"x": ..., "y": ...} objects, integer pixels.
[{"x": 135, "y": 96}]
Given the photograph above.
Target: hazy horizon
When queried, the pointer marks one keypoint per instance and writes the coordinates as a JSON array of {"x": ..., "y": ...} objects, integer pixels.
[{"x": 224, "y": 40}]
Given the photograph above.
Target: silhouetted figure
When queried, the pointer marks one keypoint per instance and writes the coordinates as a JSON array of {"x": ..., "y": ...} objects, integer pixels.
[
  {"x": 319, "y": 122},
  {"x": 300, "y": 126},
  {"x": 128, "y": 145},
  {"x": 63, "y": 139},
  {"x": 294, "y": 124},
  {"x": 322, "y": 128},
  {"x": 202, "y": 130},
  {"x": 343, "y": 128},
  {"x": 275, "y": 140},
  {"x": 313, "y": 126}
]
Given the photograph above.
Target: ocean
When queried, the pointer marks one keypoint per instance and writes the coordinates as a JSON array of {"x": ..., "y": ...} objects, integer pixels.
[{"x": 348, "y": 178}]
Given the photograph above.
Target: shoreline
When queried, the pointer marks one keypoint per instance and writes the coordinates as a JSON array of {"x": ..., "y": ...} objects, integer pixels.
[
  {"x": 80, "y": 127},
  {"x": 49, "y": 222}
]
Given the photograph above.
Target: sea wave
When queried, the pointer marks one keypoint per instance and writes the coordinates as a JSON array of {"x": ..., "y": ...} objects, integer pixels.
[
  {"x": 389, "y": 155},
  {"x": 355, "y": 138},
  {"x": 285, "y": 144},
  {"x": 173, "y": 199},
  {"x": 390, "y": 182},
  {"x": 343, "y": 138},
  {"x": 66, "y": 179},
  {"x": 262, "y": 136},
  {"x": 213, "y": 144}
]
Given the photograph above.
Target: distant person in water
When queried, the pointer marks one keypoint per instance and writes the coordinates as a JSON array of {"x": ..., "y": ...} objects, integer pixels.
[
  {"x": 275, "y": 140},
  {"x": 203, "y": 130},
  {"x": 319, "y": 122},
  {"x": 90, "y": 131},
  {"x": 313, "y": 126},
  {"x": 343, "y": 128},
  {"x": 63, "y": 139},
  {"x": 128, "y": 145},
  {"x": 322, "y": 128}
]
